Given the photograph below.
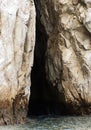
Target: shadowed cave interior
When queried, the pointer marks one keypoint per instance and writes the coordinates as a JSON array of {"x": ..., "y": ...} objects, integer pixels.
[{"x": 44, "y": 97}]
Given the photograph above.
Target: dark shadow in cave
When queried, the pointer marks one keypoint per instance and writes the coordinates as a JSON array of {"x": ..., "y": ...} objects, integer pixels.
[
  {"x": 44, "y": 98},
  {"x": 38, "y": 82}
]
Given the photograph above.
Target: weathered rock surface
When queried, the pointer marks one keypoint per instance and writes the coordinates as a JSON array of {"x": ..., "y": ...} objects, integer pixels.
[
  {"x": 17, "y": 39},
  {"x": 68, "y": 56},
  {"x": 65, "y": 35}
]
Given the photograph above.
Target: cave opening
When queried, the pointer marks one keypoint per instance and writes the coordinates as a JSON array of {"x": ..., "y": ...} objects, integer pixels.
[
  {"x": 44, "y": 98},
  {"x": 37, "y": 102}
]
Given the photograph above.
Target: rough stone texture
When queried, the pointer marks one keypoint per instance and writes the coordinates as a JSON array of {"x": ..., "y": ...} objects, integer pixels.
[
  {"x": 68, "y": 56},
  {"x": 17, "y": 39}
]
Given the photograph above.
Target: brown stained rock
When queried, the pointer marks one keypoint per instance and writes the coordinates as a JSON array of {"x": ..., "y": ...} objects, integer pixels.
[
  {"x": 75, "y": 2},
  {"x": 68, "y": 55}
]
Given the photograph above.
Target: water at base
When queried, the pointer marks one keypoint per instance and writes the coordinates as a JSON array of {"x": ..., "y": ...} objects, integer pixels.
[{"x": 54, "y": 123}]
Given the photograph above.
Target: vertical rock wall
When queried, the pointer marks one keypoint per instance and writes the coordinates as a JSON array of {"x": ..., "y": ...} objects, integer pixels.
[
  {"x": 68, "y": 56},
  {"x": 17, "y": 39}
]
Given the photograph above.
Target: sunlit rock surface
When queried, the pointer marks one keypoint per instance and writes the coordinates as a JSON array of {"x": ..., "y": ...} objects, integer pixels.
[
  {"x": 68, "y": 56},
  {"x": 17, "y": 39}
]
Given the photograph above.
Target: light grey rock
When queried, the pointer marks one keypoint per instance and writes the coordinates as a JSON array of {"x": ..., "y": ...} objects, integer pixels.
[{"x": 17, "y": 40}]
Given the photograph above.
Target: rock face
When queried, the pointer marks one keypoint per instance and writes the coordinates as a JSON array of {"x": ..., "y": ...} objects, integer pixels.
[
  {"x": 68, "y": 56},
  {"x": 17, "y": 39},
  {"x": 62, "y": 57}
]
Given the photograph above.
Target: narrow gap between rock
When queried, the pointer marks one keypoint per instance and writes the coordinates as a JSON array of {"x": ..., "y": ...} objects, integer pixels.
[{"x": 44, "y": 98}]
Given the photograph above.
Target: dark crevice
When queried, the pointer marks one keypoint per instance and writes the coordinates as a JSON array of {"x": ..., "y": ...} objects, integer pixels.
[
  {"x": 37, "y": 103},
  {"x": 44, "y": 97}
]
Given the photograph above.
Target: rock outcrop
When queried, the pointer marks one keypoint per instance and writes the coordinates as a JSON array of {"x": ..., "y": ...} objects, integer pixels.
[
  {"x": 62, "y": 58},
  {"x": 17, "y": 40},
  {"x": 68, "y": 56}
]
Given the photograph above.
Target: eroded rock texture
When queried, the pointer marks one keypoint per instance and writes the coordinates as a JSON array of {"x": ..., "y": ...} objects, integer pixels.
[
  {"x": 68, "y": 56},
  {"x": 17, "y": 39}
]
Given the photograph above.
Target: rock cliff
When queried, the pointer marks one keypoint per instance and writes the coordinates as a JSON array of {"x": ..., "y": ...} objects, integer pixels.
[
  {"x": 17, "y": 40},
  {"x": 61, "y": 75},
  {"x": 68, "y": 55}
]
